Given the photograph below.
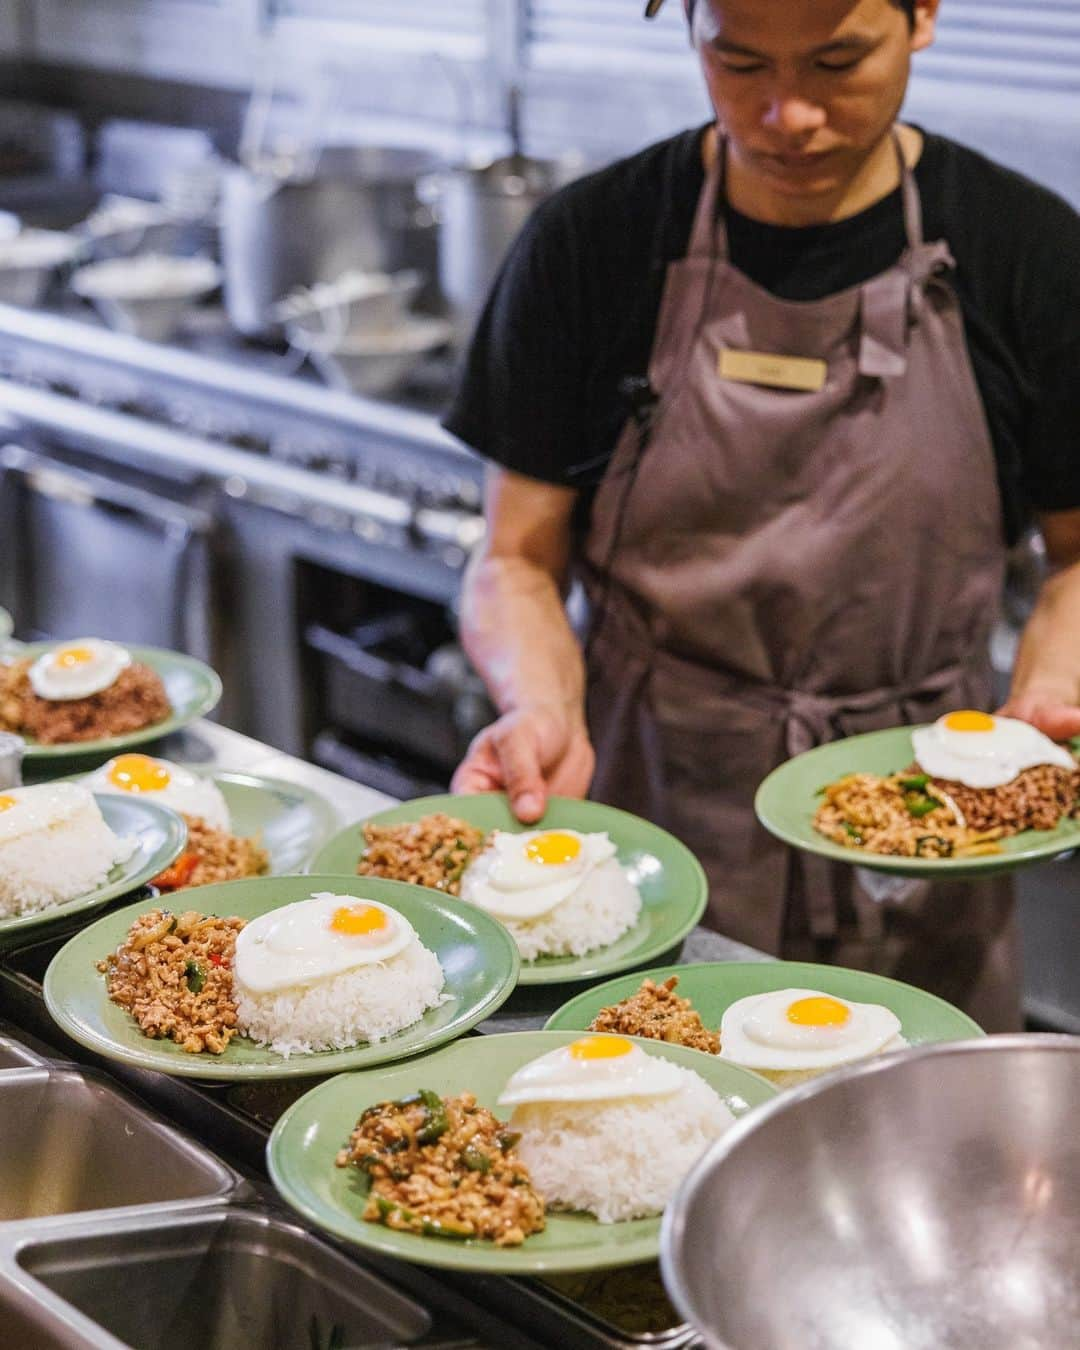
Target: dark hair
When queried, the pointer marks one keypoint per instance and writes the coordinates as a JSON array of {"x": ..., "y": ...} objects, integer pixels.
[{"x": 908, "y": 6}]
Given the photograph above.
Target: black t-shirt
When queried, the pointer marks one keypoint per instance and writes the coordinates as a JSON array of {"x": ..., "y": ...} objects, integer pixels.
[{"x": 575, "y": 307}]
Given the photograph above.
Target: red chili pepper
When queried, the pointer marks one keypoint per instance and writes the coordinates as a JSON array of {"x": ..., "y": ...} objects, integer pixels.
[
  {"x": 216, "y": 959},
  {"x": 179, "y": 874}
]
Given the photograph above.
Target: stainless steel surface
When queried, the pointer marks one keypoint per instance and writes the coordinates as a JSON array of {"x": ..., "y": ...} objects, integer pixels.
[
  {"x": 52, "y": 1121},
  {"x": 215, "y": 1281},
  {"x": 925, "y": 1201},
  {"x": 152, "y": 579},
  {"x": 15, "y": 1055},
  {"x": 11, "y": 755},
  {"x": 481, "y": 213},
  {"x": 356, "y": 209}
]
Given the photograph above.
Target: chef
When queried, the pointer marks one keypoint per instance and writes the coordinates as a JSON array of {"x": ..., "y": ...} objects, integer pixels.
[{"x": 781, "y": 390}]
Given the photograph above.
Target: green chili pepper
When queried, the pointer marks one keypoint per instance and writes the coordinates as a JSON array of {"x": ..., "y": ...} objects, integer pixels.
[
  {"x": 919, "y": 805},
  {"x": 446, "y": 1228},
  {"x": 920, "y": 852},
  {"x": 916, "y": 783},
  {"x": 437, "y": 1122},
  {"x": 195, "y": 975},
  {"x": 852, "y": 832},
  {"x": 474, "y": 1160},
  {"x": 509, "y": 1139}
]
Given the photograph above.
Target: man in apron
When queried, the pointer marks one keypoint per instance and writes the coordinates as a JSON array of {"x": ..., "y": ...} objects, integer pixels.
[{"x": 798, "y": 534}]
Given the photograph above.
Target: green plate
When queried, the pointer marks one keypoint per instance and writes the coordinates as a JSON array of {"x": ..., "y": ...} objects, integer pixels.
[
  {"x": 161, "y": 835},
  {"x": 713, "y": 986},
  {"x": 193, "y": 690},
  {"x": 672, "y": 883},
  {"x": 787, "y": 800},
  {"x": 306, "y": 1139},
  {"x": 479, "y": 960},
  {"x": 290, "y": 821}
]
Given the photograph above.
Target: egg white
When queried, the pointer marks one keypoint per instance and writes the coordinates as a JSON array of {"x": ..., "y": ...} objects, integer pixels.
[
  {"x": 295, "y": 945},
  {"x": 985, "y": 759},
  {"x": 559, "y": 1076},
  {"x": 58, "y": 684},
  {"x": 756, "y": 1033},
  {"x": 507, "y": 884},
  {"x": 41, "y": 807},
  {"x": 186, "y": 792}
]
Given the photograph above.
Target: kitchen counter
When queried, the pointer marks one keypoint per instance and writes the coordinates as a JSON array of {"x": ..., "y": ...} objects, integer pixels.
[{"x": 469, "y": 1312}]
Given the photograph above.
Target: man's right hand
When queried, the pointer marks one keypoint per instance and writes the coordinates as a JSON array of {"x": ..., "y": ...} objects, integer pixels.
[{"x": 528, "y": 754}]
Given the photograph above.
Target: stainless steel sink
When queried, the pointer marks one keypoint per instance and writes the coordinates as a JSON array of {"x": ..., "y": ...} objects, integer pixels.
[
  {"x": 70, "y": 1142},
  {"x": 216, "y": 1280},
  {"x": 15, "y": 1055}
]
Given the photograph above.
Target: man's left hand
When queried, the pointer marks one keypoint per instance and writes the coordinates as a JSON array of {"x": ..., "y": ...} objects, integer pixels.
[{"x": 1053, "y": 717}]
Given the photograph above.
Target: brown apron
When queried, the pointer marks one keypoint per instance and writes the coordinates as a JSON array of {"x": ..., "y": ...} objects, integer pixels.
[{"x": 770, "y": 569}]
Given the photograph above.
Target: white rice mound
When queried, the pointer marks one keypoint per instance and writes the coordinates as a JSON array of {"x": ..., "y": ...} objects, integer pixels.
[
  {"x": 61, "y": 850},
  {"x": 619, "y": 1159},
  {"x": 785, "y": 1078},
  {"x": 367, "y": 1003},
  {"x": 601, "y": 910}
]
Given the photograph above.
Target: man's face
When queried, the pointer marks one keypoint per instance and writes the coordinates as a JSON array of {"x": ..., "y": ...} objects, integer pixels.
[{"x": 807, "y": 89}]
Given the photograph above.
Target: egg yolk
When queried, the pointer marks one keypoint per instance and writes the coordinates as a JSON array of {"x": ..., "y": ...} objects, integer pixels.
[
  {"x": 600, "y": 1047},
  {"x": 549, "y": 850},
  {"x": 6, "y": 803},
  {"x": 138, "y": 773},
  {"x": 70, "y": 657},
  {"x": 969, "y": 720},
  {"x": 358, "y": 920},
  {"x": 818, "y": 1012}
]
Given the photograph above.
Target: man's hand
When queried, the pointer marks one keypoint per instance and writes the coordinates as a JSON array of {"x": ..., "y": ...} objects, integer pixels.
[
  {"x": 529, "y": 753},
  {"x": 1054, "y": 715}
]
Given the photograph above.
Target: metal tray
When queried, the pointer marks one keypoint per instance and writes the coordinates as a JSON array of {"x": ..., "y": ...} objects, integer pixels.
[
  {"x": 71, "y": 1142},
  {"x": 215, "y": 1280}
]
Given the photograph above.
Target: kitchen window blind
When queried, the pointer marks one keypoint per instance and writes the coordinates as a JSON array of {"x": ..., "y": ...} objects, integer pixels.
[
  {"x": 412, "y": 24},
  {"x": 1019, "y": 43}
]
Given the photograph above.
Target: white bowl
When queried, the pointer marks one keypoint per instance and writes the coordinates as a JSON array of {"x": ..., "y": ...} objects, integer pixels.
[
  {"x": 121, "y": 226},
  {"x": 147, "y": 295},
  {"x": 28, "y": 260},
  {"x": 356, "y": 303},
  {"x": 375, "y": 364}
]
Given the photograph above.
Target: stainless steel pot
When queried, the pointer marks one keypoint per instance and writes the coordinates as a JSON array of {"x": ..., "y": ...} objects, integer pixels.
[
  {"x": 927, "y": 1200},
  {"x": 354, "y": 207},
  {"x": 481, "y": 212}
]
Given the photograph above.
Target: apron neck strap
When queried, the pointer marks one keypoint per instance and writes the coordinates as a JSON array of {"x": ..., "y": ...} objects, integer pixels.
[{"x": 709, "y": 235}]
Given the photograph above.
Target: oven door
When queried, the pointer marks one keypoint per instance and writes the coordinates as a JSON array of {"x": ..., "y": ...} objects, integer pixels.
[{"x": 83, "y": 553}]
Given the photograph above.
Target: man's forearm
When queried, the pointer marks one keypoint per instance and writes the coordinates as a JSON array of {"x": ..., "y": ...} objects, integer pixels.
[
  {"x": 1048, "y": 661},
  {"x": 516, "y": 633}
]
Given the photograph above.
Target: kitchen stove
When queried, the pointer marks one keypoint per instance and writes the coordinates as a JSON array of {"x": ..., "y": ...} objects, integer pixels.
[{"x": 209, "y": 496}]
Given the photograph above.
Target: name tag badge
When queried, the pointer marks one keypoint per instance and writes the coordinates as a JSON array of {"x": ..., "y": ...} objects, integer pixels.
[{"x": 779, "y": 372}]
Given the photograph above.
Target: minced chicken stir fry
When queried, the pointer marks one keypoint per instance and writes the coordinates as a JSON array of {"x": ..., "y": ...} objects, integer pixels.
[
  {"x": 173, "y": 974},
  {"x": 433, "y": 851},
  {"x": 213, "y": 855},
  {"x": 134, "y": 700},
  {"x": 914, "y": 816},
  {"x": 657, "y": 1011},
  {"x": 443, "y": 1167}
]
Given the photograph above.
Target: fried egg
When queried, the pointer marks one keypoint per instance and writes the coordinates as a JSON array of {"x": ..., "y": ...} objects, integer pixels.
[
  {"x": 77, "y": 669},
  {"x": 595, "y": 1068},
  {"x": 983, "y": 751},
  {"x": 162, "y": 781},
  {"x": 803, "y": 1029},
  {"x": 521, "y": 876},
  {"x": 29, "y": 810},
  {"x": 316, "y": 938}
]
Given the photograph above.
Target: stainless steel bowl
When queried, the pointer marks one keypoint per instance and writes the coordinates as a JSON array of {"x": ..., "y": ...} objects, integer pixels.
[{"x": 929, "y": 1200}]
